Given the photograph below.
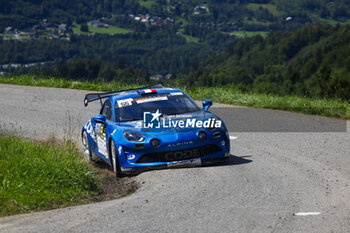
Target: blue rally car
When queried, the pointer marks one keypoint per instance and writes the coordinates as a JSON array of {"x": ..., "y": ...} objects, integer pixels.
[{"x": 153, "y": 127}]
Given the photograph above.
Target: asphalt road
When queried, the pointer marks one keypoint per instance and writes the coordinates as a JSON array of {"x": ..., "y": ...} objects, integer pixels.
[{"x": 277, "y": 179}]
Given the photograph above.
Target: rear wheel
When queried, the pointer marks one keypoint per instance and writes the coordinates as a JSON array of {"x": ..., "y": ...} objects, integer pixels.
[
  {"x": 86, "y": 147},
  {"x": 114, "y": 161}
]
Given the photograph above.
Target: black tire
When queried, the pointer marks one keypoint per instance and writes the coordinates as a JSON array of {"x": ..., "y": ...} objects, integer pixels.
[
  {"x": 114, "y": 160},
  {"x": 86, "y": 147}
]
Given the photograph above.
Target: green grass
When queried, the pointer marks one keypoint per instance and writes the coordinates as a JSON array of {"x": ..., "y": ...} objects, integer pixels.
[
  {"x": 76, "y": 29},
  {"x": 243, "y": 34},
  {"x": 12, "y": 36},
  {"x": 183, "y": 20},
  {"x": 187, "y": 37},
  {"x": 42, "y": 176},
  {"x": 270, "y": 7},
  {"x": 147, "y": 3},
  {"x": 9, "y": 36},
  {"x": 324, "y": 107},
  {"x": 190, "y": 38},
  {"x": 110, "y": 30}
]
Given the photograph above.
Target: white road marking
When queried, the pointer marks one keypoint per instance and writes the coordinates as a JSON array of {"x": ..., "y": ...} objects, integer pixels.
[
  {"x": 307, "y": 213},
  {"x": 233, "y": 137}
]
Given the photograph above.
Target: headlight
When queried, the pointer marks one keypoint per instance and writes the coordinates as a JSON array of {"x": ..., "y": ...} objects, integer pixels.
[
  {"x": 133, "y": 136},
  {"x": 211, "y": 128}
]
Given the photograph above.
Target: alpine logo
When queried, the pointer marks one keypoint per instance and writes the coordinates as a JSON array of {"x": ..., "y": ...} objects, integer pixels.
[{"x": 180, "y": 144}]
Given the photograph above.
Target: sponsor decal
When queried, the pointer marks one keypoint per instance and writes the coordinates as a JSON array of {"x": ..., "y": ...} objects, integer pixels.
[
  {"x": 88, "y": 127},
  {"x": 120, "y": 150},
  {"x": 124, "y": 103},
  {"x": 100, "y": 131},
  {"x": 142, "y": 98},
  {"x": 181, "y": 155},
  {"x": 180, "y": 116},
  {"x": 125, "y": 169},
  {"x": 176, "y": 93},
  {"x": 160, "y": 98}
]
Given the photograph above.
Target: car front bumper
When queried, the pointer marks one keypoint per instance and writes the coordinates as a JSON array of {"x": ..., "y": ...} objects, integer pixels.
[{"x": 132, "y": 168}]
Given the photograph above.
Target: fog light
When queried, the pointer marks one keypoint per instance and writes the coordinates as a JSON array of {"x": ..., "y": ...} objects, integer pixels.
[
  {"x": 202, "y": 135},
  {"x": 154, "y": 142},
  {"x": 223, "y": 143},
  {"x": 216, "y": 134}
]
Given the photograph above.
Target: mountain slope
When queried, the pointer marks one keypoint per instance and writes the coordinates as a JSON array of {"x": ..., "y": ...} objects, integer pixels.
[{"x": 313, "y": 61}]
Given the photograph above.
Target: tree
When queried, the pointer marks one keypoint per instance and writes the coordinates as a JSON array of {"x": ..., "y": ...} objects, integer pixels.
[{"x": 84, "y": 28}]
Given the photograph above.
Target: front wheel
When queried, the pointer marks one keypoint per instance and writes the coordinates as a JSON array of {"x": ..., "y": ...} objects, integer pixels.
[
  {"x": 86, "y": 146},
  {"x": 114, "y": 161}
]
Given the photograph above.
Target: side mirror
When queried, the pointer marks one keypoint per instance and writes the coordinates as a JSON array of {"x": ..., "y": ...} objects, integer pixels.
[
  {"x": 207, "y": 104},
  {"x": 100, "y": 119}
]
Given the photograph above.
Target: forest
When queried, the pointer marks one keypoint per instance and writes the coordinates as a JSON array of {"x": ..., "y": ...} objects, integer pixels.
[
  {"x": 157, "y": 50},
  {"x": 312, "y": 61}
]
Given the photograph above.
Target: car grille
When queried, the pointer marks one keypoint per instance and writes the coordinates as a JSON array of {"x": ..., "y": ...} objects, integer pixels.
[{"x": 177, "y": 155}]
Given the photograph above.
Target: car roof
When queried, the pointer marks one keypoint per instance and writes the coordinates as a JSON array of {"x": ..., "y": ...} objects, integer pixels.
[{"x": 136, "y": 93}]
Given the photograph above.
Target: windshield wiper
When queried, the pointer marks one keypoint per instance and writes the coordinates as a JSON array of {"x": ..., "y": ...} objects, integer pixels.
[{"x": 178, "y": 113}]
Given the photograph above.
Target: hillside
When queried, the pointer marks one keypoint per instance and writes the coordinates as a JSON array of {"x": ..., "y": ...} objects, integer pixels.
[
  {"x": 312, "y": 61},
  {"x": 222, "y": 15}
]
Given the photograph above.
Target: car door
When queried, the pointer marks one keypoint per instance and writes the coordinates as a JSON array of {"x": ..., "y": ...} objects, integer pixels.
[{"x": 100, "y": 131}]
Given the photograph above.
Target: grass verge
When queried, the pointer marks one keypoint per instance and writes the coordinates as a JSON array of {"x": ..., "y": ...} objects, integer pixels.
[
  {"x": 314, "y": 106},
  {"x": 39, "y": 176},
  {"x": 322, "y": 107}
]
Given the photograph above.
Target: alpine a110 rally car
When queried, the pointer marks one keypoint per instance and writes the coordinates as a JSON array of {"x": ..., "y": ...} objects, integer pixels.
[{"x": 153, "y": 127}]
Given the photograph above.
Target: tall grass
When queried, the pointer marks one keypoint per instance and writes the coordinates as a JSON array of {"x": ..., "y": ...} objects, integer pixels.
[
  {"x": 42, "y": 176},
  {"x": 323, "y": 107},
  {"x": 315, "y": 106}
]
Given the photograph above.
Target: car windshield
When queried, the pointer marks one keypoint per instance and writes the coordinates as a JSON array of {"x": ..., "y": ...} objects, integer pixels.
[{"x": 168, "y": 104}]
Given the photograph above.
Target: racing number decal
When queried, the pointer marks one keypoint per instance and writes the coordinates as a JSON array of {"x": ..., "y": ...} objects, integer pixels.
[{"x": 101, "y": 139}]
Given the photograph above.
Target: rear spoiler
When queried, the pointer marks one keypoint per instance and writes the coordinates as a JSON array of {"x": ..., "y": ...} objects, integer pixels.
[{"x": 99, "y": 96}]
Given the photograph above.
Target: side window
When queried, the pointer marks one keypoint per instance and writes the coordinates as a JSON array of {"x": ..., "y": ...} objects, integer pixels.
[{"x": 107, "y": 110}]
